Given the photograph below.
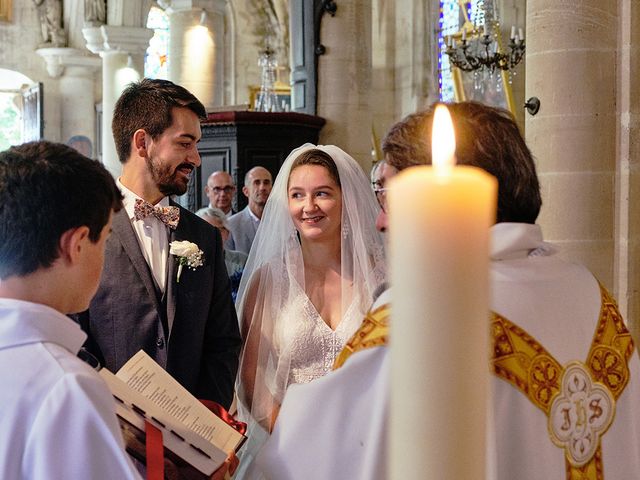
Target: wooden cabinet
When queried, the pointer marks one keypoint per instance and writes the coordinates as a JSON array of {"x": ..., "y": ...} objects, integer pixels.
[{"x": 238, "y": 141}]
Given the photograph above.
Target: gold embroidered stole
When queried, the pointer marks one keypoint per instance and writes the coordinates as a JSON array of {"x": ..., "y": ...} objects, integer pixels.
[
  {"x": 579, "y": 398},
  {"x": 373, "y": 332}
]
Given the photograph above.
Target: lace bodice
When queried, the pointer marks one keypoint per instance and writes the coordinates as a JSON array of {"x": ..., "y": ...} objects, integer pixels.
[{"x": 307, "y": 344}]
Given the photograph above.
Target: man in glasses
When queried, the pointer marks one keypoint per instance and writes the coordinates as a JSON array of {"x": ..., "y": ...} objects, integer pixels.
[
  {"x": 565, "y": 372},
  {"x": 220, "y": 189}
]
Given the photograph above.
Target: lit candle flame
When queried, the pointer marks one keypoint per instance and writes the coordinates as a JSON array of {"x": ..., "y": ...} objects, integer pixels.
[{"x": 443, "y": 141}]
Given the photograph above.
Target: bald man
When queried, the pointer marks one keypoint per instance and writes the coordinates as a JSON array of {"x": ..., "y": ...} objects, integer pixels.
[
  {"x": 220, "y": 189},
  {"x": 244, "y": 224}
]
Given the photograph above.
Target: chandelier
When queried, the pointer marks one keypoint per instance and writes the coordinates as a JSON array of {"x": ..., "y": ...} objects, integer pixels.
[{"x": 477, "y": 47}]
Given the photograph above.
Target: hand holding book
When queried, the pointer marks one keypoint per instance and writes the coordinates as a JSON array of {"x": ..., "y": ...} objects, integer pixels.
[{"x": 193, "y": 437}]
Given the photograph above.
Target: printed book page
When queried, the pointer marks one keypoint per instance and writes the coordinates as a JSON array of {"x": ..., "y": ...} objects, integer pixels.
[
  {"x": 134, "y": 410},
  {"x": 143, "y": 375}
]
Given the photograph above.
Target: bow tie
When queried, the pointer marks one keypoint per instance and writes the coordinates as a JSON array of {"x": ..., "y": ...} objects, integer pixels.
[{"x": 167, "y": 215}]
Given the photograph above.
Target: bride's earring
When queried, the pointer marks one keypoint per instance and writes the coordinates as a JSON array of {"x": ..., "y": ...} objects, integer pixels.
[{"x": 345, "y": 230}]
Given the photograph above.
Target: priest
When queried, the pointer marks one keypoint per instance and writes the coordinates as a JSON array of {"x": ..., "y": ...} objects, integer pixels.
[{"x": 566, "y": 375}]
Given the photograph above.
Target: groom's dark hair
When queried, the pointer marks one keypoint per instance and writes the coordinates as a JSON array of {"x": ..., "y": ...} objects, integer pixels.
[
  {"x": 46, "y": 189},
  {"x": 149, "y": 104}
]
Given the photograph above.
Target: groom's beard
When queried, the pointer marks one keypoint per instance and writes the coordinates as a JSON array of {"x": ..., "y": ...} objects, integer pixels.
[{"x": 169, "y": 182}]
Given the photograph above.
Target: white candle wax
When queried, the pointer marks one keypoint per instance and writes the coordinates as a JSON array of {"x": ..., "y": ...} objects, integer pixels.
[
  {"x": 521, "y": 32},
  {"x": 439, "y": 257},
  {"x": 464, "y": 34},
  {"x": 513, "y": 32}
]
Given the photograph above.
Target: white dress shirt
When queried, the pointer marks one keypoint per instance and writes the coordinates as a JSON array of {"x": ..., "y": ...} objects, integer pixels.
[
  {"x": 153, "y": 237},
  {"x": 57, "y": 416}
]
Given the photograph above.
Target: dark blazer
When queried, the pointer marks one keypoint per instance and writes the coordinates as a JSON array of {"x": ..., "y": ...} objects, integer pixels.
[{"x": 128, "y": 313}]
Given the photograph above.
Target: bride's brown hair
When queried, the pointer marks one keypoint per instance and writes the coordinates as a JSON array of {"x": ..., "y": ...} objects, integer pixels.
[{"x": 320, "y": 158}]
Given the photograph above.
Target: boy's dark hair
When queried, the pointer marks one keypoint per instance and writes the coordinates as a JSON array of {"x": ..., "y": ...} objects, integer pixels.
[
  {"x": 486, "y": 137},
  {"x": 46, "y": 189},
  {"x": 148, "y": 104}
]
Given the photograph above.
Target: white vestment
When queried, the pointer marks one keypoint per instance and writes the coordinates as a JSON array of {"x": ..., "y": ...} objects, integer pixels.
[
  {"x": 57, "y": 416},
  {"x": 335, "y": 427},
  {"x": 557, "y": 303}
]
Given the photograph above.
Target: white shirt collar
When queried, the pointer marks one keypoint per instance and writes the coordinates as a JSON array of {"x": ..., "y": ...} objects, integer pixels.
[
  {"x": 253, "y": 215},
  {"x": 510, "y": 241},
  {"x": 24, "y": 322}
]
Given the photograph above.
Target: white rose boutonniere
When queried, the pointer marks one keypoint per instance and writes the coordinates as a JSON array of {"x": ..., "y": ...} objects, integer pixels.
[{"x": 188, "y": 254}]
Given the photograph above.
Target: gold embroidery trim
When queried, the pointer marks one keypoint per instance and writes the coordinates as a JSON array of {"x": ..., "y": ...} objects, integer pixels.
[
  {"x": 519, "y": 359},
  {"x": 373, "y": 332}
]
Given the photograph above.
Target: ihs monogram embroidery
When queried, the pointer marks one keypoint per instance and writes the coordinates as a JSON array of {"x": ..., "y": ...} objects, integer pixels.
[
  {"x": 579, "y": 399},
  {"x": 580, "y": 414}
]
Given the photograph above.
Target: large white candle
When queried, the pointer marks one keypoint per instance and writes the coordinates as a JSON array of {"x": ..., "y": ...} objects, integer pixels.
[{"x": 439, "y": 254}]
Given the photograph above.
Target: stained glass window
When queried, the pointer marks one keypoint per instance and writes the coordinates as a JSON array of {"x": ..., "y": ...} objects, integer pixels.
[
  {"x": 450, "y": 21},
  {"x": 155, "y": 60}
]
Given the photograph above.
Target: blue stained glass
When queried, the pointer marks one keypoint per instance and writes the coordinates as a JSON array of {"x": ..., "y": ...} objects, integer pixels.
[
  {"x": 155, "y": 59},
  {"x": 450, "y": 21}
]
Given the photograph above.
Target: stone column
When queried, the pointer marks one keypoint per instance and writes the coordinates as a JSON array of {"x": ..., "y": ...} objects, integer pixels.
[
  {"x": 627, "y": 264},
  {"x": 344, "y": 80},
  {"x": 77, "y": 99},
  {"x": 571, "y": 68},
  {"x": 196, "y": 48},
  {"x": 122, "y": 50}
]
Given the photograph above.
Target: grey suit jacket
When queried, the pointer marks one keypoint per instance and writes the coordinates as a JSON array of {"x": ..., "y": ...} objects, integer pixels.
[
  {"x": 243, "y": 231},
  {"x": 128, "y": 313}
]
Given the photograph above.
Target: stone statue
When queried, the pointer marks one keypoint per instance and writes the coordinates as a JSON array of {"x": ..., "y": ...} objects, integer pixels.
[
  {"x": 95, "y": 12},
  {"x": 50, "y": 16}
]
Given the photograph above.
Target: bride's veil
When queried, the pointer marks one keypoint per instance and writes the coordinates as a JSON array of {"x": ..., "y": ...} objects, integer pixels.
[{"x": 273, "y": 279}]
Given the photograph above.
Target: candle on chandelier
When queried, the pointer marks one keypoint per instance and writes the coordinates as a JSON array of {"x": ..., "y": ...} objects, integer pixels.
[
  {"x": 513, "y": 32},
  {"x": 521, "y": 32},
  {"x": 440, "y": 218}
]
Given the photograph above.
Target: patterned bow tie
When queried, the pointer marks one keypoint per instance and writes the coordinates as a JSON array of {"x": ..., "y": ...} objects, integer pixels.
[{"x": 167, "y": 215}]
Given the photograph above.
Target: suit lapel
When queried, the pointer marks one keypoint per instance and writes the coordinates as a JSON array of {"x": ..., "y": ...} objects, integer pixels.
[
  {"x": 123, "y": 231},
  {"x": 172, "y": 271}
]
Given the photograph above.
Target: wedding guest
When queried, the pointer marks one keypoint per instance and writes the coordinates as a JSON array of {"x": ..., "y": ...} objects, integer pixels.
[
  {"x": 375, "y": 175},
  {"x": 220, "y": 189},
  {"x": 183, "y": 318},
  {"x": 244, "y": 224},
  {"x": 55, "y": 216},
  {"x": 234, "y": 260},
  {"x": 566, "y": 374},
  {"x": 310, "y": 277}
]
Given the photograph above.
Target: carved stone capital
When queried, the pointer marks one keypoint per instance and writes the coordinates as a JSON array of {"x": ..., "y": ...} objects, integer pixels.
[
  {"x": 59, "y": 58},
  {"x": 134, "y": 40},
  {"x": 175, "y": 6}
]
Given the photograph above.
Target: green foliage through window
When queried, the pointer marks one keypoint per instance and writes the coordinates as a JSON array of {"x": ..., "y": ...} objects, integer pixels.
[{"x": 10, "y": 122}]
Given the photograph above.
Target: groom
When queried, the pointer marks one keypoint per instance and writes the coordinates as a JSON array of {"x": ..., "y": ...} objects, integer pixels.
[{"x": 185, "y": 320}]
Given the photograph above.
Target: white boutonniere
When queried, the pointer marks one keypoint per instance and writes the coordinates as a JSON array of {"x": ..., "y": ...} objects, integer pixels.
[{"x": 188, "y": 254}]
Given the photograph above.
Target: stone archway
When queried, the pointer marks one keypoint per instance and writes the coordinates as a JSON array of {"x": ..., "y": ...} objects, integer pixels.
[{"x": 12, "y": 88}]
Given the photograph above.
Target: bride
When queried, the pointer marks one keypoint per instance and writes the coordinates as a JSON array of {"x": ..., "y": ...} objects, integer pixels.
[{"x": 313, "y": 267}]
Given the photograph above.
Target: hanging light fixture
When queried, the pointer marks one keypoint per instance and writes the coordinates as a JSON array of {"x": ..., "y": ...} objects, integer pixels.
[{"x": 480, "y": 44}]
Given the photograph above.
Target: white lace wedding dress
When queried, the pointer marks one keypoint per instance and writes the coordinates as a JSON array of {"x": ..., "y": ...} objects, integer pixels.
[{"x": 307, "y": 344}]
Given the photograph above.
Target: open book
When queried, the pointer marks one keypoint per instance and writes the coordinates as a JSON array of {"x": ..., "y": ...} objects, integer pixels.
[{"x": 192, "y": 435}]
